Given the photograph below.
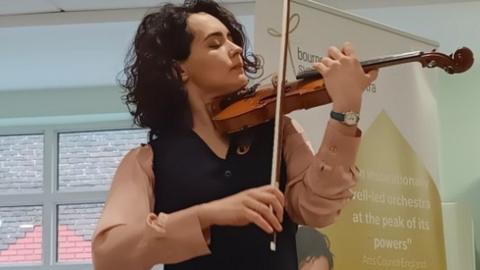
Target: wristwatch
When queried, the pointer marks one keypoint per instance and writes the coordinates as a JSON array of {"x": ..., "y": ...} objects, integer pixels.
[{"x": 347, "y": 118}]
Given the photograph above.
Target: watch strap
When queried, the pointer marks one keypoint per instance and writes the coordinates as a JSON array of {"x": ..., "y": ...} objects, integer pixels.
[{"x": 347, "y": 118}]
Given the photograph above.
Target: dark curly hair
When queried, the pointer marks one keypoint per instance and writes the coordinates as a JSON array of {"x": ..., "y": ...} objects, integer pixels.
[
  {"x": 312, "y": 244},
  {"x": 154, "y": 92}
]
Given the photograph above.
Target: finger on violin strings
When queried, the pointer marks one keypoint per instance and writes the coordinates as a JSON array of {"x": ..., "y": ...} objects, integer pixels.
[
  {"x": 372, "y": 75},
  {"x": 348, "y": 49},
  {"x": 320, "y": 67},
  {"x": 335, "y": 53},
  {"x": 327, "y": 61}
]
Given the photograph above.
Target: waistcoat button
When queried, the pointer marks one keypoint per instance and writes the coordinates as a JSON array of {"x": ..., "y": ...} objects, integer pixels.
[{"x": 228, "y": 173}]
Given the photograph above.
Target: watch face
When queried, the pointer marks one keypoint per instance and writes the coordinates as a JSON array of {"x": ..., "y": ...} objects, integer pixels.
[{"x": 351, "y": 119}]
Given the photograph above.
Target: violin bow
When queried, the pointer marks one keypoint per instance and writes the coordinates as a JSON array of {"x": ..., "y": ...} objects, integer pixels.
[{"x": 280, "y": 85}]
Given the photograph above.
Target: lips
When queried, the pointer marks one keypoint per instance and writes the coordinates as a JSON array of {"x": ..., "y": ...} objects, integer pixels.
[{"x": 240, "y": 65}]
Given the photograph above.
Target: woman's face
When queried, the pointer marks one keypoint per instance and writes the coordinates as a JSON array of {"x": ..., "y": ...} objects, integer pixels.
[{"x": 215, "y": 66}]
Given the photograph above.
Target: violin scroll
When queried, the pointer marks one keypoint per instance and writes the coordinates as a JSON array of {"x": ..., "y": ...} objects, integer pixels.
[{"x": 458, "y": 62}]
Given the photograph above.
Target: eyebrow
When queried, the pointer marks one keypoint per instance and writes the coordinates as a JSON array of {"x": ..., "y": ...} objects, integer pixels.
[{"x": 217, "y": 34}]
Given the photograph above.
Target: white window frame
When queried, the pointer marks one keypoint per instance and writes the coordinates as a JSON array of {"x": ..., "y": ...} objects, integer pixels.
[{"x": 50, "y": 198}]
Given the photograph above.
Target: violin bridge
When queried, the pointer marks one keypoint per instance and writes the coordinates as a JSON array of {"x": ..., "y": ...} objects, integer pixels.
[{"x": 274, "y": 80}]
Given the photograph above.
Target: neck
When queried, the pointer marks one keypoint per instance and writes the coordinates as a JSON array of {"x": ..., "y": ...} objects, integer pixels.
[{"x": 202, "y": 121}]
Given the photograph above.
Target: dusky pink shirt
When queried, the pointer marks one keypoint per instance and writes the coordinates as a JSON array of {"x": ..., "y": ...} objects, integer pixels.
[{"x": 130, "y": 236}]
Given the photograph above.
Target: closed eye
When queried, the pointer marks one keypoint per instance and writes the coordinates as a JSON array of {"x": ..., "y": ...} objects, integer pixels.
[
  {"x": 215, "y": 44},
  {"x": 216, "y": 39}
]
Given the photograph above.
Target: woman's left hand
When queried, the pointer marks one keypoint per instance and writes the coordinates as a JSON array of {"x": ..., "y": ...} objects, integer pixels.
[{"x": 344, "y": 78}]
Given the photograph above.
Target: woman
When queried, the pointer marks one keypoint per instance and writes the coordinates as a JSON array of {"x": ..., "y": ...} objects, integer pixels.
[{"x": 194, "y": 198}]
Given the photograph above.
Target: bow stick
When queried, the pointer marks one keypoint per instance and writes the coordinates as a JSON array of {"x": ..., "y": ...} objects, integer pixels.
[{"x": 278, "y": 130}]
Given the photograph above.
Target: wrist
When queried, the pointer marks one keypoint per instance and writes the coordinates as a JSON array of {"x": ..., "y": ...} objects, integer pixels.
[
  {"x": 203, "y": 212},
  {"x": 346, "y": 130},
  {"x": 349, "y": 106}
]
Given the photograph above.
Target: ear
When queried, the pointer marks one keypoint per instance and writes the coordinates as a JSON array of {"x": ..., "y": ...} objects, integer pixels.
[{"x": 181, "y": 67}]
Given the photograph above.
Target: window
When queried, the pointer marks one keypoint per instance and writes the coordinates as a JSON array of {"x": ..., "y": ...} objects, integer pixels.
[
  {"x": 21, "y": 164},
  {"x": 53, "y": 184},
  {"x": 21, "y": 235},
  {"x": 87, "y": 160},
  {"x": 76, "y": 223}
]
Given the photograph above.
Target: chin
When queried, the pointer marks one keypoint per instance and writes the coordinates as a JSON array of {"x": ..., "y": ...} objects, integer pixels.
[
  {"x": 242, "y": 83},
  {"x": 238, "y": 82},
  {"x": 243, "y": 80},
  {"x": 231, "y": 85},
  {"x": 234, "y": 87}
]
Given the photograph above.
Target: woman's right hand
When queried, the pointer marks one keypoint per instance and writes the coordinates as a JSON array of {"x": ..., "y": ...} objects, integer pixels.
[{"x": 246, "y": 207}]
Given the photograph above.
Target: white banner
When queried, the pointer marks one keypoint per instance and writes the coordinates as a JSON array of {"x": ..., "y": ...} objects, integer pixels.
[
  {"x": 395, "y": 219},
  {"x": 406, "y": 93}
]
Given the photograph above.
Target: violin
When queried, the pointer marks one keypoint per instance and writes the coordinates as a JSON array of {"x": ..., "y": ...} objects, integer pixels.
[{"x": 256, "y": 105}]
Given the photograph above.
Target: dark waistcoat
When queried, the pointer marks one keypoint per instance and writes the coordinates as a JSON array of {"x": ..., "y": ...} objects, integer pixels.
[{"x": 187, "y": 173}]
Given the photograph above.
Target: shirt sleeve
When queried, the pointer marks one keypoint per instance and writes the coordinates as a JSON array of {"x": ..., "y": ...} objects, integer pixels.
[
  {"x": 129, "y": 235},
  {"x": 319, "y": 185}
]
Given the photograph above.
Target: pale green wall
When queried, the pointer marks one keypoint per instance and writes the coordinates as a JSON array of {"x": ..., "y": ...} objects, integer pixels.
[
  {"x": 460, "y": 143},
  {"x": 459, "y": 102},
  {"x": 53, "y": 102},
  {"x": 61, "y": 106}
]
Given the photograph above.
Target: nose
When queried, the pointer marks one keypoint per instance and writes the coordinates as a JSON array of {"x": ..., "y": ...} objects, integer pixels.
[{"x": 235, "y": 49}]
